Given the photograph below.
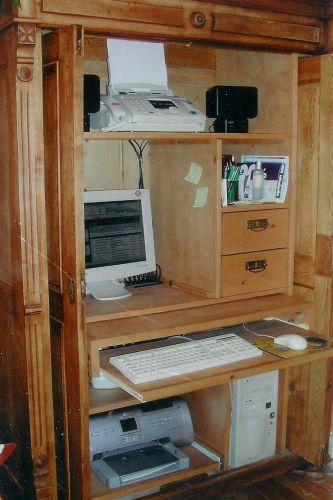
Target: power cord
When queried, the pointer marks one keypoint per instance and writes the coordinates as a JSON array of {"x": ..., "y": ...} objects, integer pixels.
[
  {"x": 146, "y": 279},
  {"x": 138, "y": 149},
  {"x": 255, "y": 333}
]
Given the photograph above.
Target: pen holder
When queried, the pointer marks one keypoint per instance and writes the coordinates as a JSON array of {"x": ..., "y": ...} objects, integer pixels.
[{"x": 232, "y": 191}]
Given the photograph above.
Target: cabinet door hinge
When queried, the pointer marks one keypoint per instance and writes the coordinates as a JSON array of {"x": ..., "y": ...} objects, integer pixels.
[
  {"x": 79, "y": 39},
  {"x": 83, "y": 288},
  {"x": 71, "y": 288}
]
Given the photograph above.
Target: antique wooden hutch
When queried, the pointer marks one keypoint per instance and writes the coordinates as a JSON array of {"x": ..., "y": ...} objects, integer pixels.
[{"x": 53, "y": 337}]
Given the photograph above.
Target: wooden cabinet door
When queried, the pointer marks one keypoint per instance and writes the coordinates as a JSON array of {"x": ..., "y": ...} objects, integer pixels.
[
  {"x": 63, "y": 117},
  {"x": 311, "y": 386},
  {"x": 25, "y": 369}
]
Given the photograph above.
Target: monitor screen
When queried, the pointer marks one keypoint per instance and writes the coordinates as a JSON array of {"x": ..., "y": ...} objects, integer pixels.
[{"x": 118, "y": 235}]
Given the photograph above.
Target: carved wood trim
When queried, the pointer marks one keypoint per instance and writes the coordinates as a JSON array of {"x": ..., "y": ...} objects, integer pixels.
[
  {"x": 293, "y": 7},
  {"x": 36, "y": 379},
  {"x": 265, "y": 28},
  {"x": 120, "y": 10},
  {"x": 26, "y": 34},
  {"x": 37, "y": 404},
  {"x": 27, "y": 120},
  {"x": 29, "y": 137},
  {"x": 41, "y": 474}
]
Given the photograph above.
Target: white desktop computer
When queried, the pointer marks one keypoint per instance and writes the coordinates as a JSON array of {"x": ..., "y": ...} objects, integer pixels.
[{"x": 254, "y": 415}]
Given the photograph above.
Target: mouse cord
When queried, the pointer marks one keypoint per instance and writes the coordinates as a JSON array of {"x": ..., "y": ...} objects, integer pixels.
[{"x": 255, "y": 333}]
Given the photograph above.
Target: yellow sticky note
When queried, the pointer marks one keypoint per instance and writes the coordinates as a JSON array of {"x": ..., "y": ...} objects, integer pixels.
[
  {"x": 194, "y": 174},
  {"x": 201, "y": 197}
]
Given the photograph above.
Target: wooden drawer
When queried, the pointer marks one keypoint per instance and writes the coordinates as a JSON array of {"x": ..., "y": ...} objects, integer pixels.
[
  {"x": 254, "y": 272},
  {"x": 254, "y": 230}
]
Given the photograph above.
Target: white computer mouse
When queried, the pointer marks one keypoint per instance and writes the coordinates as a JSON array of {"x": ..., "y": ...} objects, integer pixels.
[{"x": 291, "y": 340}]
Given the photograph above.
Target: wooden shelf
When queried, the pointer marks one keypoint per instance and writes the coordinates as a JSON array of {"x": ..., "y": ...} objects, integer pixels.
[
  {"x": 199, "y": 464},
  {"x": 147, "y": 300},
  {"x": 246, "y": 207},
  {"x": 101, "y": 400},
  {"x": 154, "y": 325},
  {"x": 196, "y": 136}
]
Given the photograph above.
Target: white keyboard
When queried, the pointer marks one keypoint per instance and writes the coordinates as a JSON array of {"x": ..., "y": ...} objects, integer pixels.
[{"x": 185, "y": 357}]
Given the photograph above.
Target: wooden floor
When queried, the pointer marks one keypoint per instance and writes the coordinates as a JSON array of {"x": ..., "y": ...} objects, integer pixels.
[
  {"x": 270, "y": 483},
  {"x": 294, "y": 485}
]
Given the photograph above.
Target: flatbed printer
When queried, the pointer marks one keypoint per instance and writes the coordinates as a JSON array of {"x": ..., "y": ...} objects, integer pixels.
[{"x": 140, "y": 442}]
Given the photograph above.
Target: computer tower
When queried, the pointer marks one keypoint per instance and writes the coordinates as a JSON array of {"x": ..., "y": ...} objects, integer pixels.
[{"x": 253, "y": 422}]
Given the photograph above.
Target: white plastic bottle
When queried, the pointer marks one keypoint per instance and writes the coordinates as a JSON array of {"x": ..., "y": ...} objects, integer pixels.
[{"x": 258, "y": 182}]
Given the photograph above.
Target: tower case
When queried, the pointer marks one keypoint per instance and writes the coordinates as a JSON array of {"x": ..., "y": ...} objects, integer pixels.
[{"x": 253, "y": 422}]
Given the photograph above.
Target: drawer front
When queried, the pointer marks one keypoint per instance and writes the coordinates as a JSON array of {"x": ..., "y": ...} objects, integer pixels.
[
  {"x": 254, "y": 230},
  {"x": 254, "y": 272}
]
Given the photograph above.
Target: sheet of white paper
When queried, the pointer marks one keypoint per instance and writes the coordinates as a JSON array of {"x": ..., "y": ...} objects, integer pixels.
[{"x": 134, "y": 62}]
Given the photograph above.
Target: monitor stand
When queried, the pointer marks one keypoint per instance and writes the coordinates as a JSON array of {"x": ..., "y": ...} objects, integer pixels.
[{"x": 107, "y": 290}]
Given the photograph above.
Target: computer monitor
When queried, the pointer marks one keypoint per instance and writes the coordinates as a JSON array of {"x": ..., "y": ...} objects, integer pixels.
[{"x": 119, "y": 240}]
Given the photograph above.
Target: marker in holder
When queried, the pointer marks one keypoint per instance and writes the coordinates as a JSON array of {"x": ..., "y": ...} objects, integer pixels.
[{"x": 232, "y": 183}]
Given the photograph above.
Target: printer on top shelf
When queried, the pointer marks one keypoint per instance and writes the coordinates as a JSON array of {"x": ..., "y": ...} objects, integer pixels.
[{"x": 138, "y": 95}]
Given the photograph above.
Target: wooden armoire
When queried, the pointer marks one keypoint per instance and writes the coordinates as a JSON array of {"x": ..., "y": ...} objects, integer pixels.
[{"x": 53, "y": 337}]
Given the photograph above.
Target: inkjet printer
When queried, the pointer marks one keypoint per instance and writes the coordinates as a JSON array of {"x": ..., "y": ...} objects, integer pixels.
[{"x": 140, "y": 442}]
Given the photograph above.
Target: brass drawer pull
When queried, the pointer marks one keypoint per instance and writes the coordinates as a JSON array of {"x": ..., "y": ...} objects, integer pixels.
[
  {"x": 256, "y": 266},
  {"x": 257, "y": 224}
]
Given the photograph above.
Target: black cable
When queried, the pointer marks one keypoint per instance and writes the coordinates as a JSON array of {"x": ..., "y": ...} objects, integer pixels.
[
  {"x": 146, "y": 279},
  {"x": 138, "y": 149}
]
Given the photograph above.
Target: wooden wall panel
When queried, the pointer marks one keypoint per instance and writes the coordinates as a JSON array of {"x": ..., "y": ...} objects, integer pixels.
[
  {"x": 211, "y": 415},
  {"x": 51, "y": 159},
  {"x": 308, "y": 151},
  {"x": 304, "y": 271},
  {"x": 6, "y": 156},
  {"x": 187, "y": 256},
  {"x": 315, "y": 187},
  {"x": 325, "y": 180},
  {"x": 306, "y": 435},
  {"x": 322, "y": 305},
  {"x": 314, "y": 217},
  {"x": 264, "y": 72}
]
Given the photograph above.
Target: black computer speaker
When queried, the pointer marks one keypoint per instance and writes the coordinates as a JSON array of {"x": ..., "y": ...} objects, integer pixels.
[
  {"x": 232, "y": 102},
  {"x": 231, "y": 106},
  {"x": 91, "y": 93}
]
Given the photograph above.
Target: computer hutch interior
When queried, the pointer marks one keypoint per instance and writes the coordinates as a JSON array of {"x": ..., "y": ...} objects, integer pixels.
[{"x": 53, "y": 338}]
